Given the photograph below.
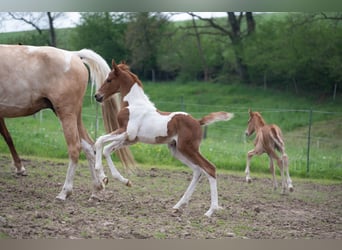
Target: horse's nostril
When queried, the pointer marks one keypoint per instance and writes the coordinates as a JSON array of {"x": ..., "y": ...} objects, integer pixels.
[{"x": 98, "y": 98}]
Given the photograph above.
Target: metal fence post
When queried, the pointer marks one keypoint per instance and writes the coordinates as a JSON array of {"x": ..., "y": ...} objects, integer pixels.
[{"x": 309, "y": 142}]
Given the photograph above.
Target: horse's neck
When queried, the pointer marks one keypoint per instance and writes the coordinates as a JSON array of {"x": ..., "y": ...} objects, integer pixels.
[
  {"x": 136, "y": 96},
  {"x": 259, "y": 125}
]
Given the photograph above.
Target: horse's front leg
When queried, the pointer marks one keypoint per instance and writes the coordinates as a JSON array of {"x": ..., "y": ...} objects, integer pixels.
[
  {"x": 117, "y": 143},
  {"x": 250, "y": 154},
  {"x": 98, "y": 156},
  {"x": 117, "y": 139},
  {"x": 99, "y": 180}
]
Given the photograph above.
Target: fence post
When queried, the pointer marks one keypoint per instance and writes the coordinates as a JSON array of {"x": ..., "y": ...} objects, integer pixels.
[
  {"x": 309, "y": 142},
  {"x": 182, "y": 104},
  {"x": 96, "y": 119}
]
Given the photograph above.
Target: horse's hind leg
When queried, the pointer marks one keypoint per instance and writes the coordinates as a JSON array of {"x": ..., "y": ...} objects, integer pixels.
[
  {"x": 197, "y": 163},
  {"x": 20, "y": 169},
  {"x": 272, "y": 170},
  {"x": 285, "y": 161},
  {"x": 195, "y": 177}
]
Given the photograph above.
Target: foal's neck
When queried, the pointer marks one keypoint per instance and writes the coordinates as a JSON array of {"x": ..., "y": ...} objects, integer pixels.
[{"x": 136, "y": 96}]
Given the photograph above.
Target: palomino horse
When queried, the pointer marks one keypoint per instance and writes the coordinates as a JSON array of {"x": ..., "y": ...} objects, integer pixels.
[
  {"x": 140, "y": 121},
  {"x": 268, "y": 139},
  {"x": 34, "y": 78}
]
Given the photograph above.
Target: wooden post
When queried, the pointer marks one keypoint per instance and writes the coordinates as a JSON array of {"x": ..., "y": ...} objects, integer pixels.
[{"x": 309, "y": 141}]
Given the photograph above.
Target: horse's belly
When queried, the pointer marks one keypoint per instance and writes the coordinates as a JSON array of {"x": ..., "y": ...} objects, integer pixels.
[
  {"x": 154, "y": 128},
  {"x": 18, "y": 104}
]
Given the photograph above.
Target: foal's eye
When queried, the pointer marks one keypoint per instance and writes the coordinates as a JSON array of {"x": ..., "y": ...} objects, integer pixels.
[{"x": 108, "y": 81}]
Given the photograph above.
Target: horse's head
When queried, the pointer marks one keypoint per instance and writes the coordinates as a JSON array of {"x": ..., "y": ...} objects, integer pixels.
[
  {"x": 118, "y": 75},
  {"x": 254, "y": 122}
]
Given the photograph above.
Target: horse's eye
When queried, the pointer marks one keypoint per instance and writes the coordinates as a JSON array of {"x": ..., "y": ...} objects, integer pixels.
[{"x": 108, "y": 81}]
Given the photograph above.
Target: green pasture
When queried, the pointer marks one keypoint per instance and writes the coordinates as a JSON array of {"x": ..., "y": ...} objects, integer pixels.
[{"x": 225, "y": 144}]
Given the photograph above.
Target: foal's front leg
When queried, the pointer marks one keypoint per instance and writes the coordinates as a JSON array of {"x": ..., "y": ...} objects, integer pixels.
[
  {"x": 117, "y": 140},
  {"x": 250, "y": 154},
  {"x": 115, "y": 145}
]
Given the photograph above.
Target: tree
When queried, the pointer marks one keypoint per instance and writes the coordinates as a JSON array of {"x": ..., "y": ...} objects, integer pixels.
[
  {"x": 144, "y": 34},
  {"x": 104, "y": 33},
  {"x": 40, "y": 21},
  {"x": 234, "y": 31}
]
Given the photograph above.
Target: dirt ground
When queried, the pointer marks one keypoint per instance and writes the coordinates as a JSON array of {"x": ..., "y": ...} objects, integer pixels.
[{"x": 144, "y": 211}]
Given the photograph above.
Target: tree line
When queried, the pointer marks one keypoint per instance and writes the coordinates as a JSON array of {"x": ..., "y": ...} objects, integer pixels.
[{"x": 297, "y": 52}]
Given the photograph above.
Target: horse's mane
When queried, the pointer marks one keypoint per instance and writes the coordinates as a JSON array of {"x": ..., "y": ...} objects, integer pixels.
[
  {"x": 259, "y": 117},
  {"x": 124, "y": 67}
]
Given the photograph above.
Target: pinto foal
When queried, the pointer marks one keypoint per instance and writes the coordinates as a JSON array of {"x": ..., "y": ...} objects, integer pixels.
[
  {"x": 140, "y": 121},
  {"x": 268, "y": 139}
]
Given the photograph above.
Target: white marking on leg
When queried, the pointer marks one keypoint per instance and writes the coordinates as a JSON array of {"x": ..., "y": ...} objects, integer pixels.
[
  {"x": 274, "y": 180},
  {"x": 106, "y": 152},
  {"x": 247, "y": 170},
  {"x": 214, "y": 196},
  {"x": 98, "y": 180},
  {"x": 195, "y": 177},
  {"x": 68, "y": 184},
  {"x": 191, "y": 188}
]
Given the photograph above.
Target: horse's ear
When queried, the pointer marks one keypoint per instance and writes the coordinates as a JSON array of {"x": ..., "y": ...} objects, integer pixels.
[
  {"x": 123, "y": 62},
  {"x": 115, "y": 67},
  {"x": 249, "y": 110},
  {"x": 113, "y": 64}
]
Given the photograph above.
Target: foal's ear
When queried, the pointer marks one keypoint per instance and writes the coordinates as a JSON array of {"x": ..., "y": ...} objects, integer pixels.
[{"x": 115, "y": 67}]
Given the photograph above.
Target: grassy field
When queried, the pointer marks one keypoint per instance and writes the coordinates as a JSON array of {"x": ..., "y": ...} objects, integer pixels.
[{"x": 225, "y": 145}]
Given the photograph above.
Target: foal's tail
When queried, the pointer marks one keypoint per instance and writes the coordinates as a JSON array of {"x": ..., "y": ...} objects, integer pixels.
[
  {"x": 99, "y": 71},
  {"x": 215, "y": 117}
]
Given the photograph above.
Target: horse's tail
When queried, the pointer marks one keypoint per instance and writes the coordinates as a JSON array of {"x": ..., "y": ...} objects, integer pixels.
[
  {"x": 99, "y": 71},
  {"x": 215, "y": 117},
  {"x": 98, "y": 67},
  {"x": 277, "y": 137}
]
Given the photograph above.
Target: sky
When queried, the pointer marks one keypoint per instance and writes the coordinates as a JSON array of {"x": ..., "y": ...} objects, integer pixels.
[{"x": 71, "y": 19}]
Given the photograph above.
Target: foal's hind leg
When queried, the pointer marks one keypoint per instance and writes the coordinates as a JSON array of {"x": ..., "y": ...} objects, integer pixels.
[
  {"x": 197, "y": 163},
  {"x": 272, "y": 170},
  {"x": 285, "y": 161},
  {"x": 20, "y": 169},
  {"x": 195, "y": 178}
]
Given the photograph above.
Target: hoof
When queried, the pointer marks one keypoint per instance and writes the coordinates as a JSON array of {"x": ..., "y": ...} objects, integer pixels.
[
  {"x": 105, "y": 180},
  {"x": 248, "y": 180},
  {"x": 176, "y": 211},
  {"x": 60, "y": 199},
  {"x": 129, "y": 183},
  {"x": 95, "y": 198},
  {"x": 291, "y": 189}
]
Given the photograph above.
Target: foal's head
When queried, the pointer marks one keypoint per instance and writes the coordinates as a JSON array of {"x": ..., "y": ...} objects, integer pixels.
[
  {"x": 117, "y": 80},
  {"x": 255, "y": 121}
]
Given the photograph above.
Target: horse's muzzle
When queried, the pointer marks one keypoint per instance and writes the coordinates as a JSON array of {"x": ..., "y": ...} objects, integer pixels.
[{"x": 98, "y": 97}]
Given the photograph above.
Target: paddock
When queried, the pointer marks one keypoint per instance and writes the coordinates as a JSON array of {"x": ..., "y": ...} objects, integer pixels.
[{"x": 251, "y": 211}]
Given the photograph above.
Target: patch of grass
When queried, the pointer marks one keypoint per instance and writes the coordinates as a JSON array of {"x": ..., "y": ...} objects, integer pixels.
[
  {"x": 226, "y": 146},
  {"x": 4, "y": 236}
]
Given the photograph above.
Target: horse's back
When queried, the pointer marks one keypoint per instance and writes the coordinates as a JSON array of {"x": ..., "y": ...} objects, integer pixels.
[
  {"x": 272, "y": 135},
  {"x": 32, "y": 78}
]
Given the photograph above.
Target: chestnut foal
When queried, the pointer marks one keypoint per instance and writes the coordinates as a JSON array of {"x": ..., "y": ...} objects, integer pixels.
[
  {"x": 140, "y": 121},
  {"x": 268, "y": 139}
]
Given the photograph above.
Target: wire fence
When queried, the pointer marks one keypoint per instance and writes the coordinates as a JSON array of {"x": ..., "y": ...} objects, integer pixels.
[{"x": 310, "y": 135}]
